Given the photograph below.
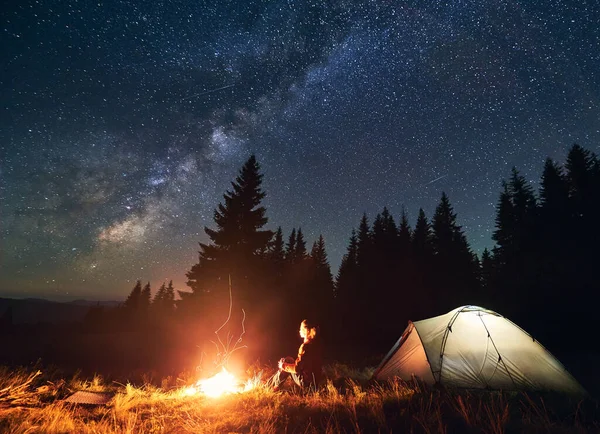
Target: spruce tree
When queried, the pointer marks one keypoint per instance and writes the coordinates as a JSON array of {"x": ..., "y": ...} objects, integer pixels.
[
  {"x": 133, "y": 301},
  {"x": 169, "y": 297},
  {"x": 290, "y": 250},
  {"x": 554, "y": 192},
  {"x": 444, "y": 228},
  {"x": 159, "y": 297},
  {"x": 487, "y": 271},
  {"x": 580, "y": 167},
  {"x": 384, "y": 271},
  {"x": 582, "y": 238},
  {"x": 238, "y": 243},
  {"x": 404, "y": 235},
  {"x": 364, "y": 242},
  {"x": 300, "y": 252},
  {"x": 422, "y": 257},
  {"x": 347, "y": 297},
  {"x": 345, "y": 292},
  {"x": 504, "y": 233},
  {"x": 524, "y": 209},
  {"x": 277, "y": 249},
  {"x": 553, "y": 220},
  {"x": 145, "y": 298},
  {"x": 321, "y": 285},
  {"x": 318, "y": 255},
  {"x": 421, "y": 238},
  {"x": 455, "y": 268}
]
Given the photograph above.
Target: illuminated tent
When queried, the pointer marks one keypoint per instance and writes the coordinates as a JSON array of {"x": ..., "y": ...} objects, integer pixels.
[{"x": 472, "y": 347}]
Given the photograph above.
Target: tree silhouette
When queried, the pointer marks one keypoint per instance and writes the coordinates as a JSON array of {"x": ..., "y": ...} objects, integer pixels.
[
  {"x": 422, "y": 254},
  {"x": 169, "y": 297},
  {"x": 133, "y": 300},
  {"x": 145, "y": 297},
  {"x": 516, "y": 255},
  {"x": 238, "y": 243},
  {"x": 159, "y": 296},
  {"x": 364, "y": 242},
  {"x": 300, "y": 252},
  {"x": 347, "y": 295},
  {"x": 320, "y": 287},
  {"x": 454, "y": 265},
  {"x": 277, "y": 252},
  {"x": 290, "y": 250}
]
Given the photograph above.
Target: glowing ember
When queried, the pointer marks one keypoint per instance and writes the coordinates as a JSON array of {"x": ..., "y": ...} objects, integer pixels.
[{"x": 219, "y": 384}]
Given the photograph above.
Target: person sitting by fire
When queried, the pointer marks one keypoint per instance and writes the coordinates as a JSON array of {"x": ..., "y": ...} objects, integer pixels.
[{"x": 306, "y": 369}]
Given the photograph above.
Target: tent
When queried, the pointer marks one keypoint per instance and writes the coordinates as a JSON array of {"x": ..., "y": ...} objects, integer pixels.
[{"x": 476, "y": 348}]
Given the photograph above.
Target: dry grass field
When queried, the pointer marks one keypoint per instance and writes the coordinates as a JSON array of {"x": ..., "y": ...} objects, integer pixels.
[{"x": 34, "y": 402}]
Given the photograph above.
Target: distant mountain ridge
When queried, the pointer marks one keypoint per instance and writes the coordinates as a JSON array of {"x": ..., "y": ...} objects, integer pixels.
[
  {"x": 105, "y": 303},
  {"x": 39, "y": 310}
]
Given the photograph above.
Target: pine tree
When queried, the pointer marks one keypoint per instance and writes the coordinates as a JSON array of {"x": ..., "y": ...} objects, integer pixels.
[
  {"x": 238, "y": 244},
  {"x": 164, "y": 301},
  {"x": 580, "y": 168},
  {"x": 133, "y": 301},
  {"x": 421, "y": 238},
  {"x": 159, "y": 297},
  {"x": 524, "y": 208},
  {"x": 404, "y": 236},
  {"x": 554, "y": 219},
  {"x": 384, "y": 271},
  {"x": 321, "y": 285},
  {"x": 277, "y": 249},
  {"x": 504, "y": 232},
  {"x": 378, "y": 234},
  {"x": 290, "y": 250},
  {"x": 300, "y": 251},
  {"x": 518, "y": 260},
  {"x": 145, "y": 297},
  {"x": 455, "y": 267},
  {"x": 444, "y": 228},
  {"x": 318, "y": 255},
  {"x": 347, "y": 296},
  {"x": 486, "y": 274},
  {"x": 364, "y": 242},
  {"x": 581, "y": 250},
  {"x": 169, "y": 297},
  {"x": 554, "y": 191},
  {"x": 347, "y": 274},
  {"x": 385, "y": 236}
]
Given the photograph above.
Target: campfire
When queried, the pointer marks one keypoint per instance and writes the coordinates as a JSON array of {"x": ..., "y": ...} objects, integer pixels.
[
  {"x": 224, "y": 382},
  {"x": 220, "y": 384}
]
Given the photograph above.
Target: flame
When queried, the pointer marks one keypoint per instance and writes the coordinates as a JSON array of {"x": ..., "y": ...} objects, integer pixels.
[
  {"x": 217, "y": 385},
  {"x": 222, "y": 383}
]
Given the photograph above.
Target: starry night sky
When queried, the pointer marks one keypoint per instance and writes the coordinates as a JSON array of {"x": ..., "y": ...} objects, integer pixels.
[{"x": 123, "y": 122}]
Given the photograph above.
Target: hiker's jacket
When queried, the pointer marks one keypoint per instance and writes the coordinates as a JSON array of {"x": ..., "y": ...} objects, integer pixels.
[{"x": 309, "y": 363}]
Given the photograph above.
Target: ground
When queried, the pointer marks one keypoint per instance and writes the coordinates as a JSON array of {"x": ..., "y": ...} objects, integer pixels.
[{"x": 33, "y": 401}]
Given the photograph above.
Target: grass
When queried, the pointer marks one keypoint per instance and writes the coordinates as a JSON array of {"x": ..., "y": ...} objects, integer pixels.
[{"x": 33, "y": 402}]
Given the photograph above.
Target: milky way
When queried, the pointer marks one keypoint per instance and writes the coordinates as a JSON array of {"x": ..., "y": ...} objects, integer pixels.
[{"x": 124, "y": 122}]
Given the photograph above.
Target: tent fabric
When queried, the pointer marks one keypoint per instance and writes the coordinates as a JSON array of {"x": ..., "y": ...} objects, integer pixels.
[
  {"x": 409, "y": 358},
  {"x": 476, "y": 348}
]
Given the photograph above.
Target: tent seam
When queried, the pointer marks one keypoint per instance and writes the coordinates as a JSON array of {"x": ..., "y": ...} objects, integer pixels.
[{"x": 500, "y": 359}]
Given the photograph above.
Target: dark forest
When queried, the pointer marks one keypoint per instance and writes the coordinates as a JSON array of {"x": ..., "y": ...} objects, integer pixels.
[{"x": 541, "y": 274}]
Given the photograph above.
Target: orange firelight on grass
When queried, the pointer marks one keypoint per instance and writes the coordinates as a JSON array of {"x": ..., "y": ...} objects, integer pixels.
[{"x": 220, "y": 384}]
